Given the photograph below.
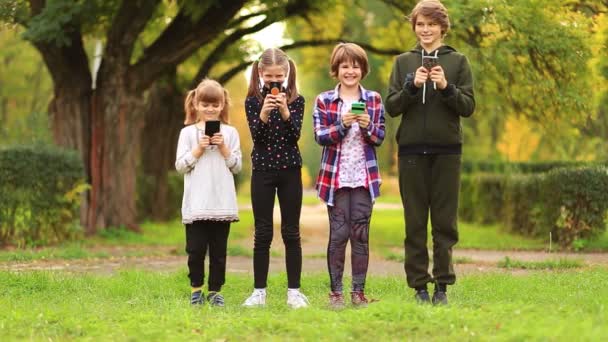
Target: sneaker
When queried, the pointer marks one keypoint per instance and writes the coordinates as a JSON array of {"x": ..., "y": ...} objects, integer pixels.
[
  {"x": 296, "y": 299},
  {"x": 422, "y": 296},
  {"x": 197, "y": 298},
  {"x": 215, "y": 299},
  {"x": 358, "y": 299},
  {"x": 440, "y": 297},
  {"x": 257, "y": 298},
  {"x": 336, "y": 300}
]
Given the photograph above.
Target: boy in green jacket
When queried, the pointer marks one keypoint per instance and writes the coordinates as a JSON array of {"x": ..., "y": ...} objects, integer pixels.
[{"x": 431, "y": 87}]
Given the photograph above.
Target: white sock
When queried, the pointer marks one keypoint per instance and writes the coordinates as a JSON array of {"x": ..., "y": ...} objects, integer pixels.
[{"x": 293, "y": 290}]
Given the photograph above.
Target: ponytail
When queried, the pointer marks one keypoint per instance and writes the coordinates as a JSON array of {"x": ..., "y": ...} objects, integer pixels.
[
  {"x": 190, "y": 117},
  {"x": 224, "y": 115},
  {"x": 254, "y": 82},
  {"x": 292, "y": 88}
]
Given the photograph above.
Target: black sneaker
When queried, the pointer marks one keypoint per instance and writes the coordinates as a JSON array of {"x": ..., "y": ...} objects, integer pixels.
[
  {"x": 197, "y": 298},
  {"x": 422, "y": 296},
  {"x": 440, "y": 297},
  {"x": 215, "y": 299}
]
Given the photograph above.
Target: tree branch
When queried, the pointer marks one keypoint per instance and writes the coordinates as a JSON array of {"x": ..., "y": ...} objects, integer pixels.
[
  {"x": 128, "y": 23},
  {"x": 226, "y": 76},
  {"x": 213, "y": 58},
  {"x": 181, "y": 38}
]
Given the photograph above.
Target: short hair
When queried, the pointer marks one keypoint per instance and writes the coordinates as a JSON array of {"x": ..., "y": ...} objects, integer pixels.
[
  {"x": 433, "y": 9},
  {"x": 345, "y": 52}
]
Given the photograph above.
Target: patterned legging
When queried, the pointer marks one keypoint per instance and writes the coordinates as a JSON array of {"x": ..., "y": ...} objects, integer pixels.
[{"x": 349, "y": 220}]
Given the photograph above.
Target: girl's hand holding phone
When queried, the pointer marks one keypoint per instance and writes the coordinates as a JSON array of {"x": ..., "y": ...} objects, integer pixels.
[
  {"x": 348, "y": 119},
  {"x": 282, "y": 105},
  {"x": 268, "y": 105},
  {"x": 203, "y": 142},
  {"x": 218, "y": 140},
  {"x": 363, "y": 120}
]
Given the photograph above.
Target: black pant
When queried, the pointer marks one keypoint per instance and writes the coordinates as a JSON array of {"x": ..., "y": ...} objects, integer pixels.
[
  {"x": 287, "y": 185},
  {"x": 430, "y": 183},
  {"x": 199, "y": 236}
]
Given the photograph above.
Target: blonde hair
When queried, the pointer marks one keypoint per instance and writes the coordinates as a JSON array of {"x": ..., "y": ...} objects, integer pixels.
[
  {"x": 269, "y": 58},
  {"x": 209, "y": 91},
  {"x": 433, "y": 9},
  {"x": 348, "y": 52}
]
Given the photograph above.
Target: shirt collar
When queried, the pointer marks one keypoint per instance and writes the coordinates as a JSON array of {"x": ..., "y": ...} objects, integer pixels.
[{"x": 336, "y": 94}]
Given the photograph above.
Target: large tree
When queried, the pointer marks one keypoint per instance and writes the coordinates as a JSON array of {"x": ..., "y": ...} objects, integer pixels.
[{"x": 101, "y": 113}]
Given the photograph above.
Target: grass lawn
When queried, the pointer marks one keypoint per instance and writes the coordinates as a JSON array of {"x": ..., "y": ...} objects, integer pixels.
[{"x": 134, "y": 305}]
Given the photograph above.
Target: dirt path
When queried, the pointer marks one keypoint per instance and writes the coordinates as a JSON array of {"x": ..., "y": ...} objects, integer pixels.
[{"x": 314, "y": 245}]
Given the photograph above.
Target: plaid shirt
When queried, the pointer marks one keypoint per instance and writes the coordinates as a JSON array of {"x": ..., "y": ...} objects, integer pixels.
[{"x": 329, "y": 132}]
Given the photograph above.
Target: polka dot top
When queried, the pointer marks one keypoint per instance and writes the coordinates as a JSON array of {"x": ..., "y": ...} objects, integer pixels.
[{"x": 275, "y": 143}]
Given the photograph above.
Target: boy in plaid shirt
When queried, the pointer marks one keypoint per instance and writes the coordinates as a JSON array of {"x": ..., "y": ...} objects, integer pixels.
[{"x": 349, "y": 180}]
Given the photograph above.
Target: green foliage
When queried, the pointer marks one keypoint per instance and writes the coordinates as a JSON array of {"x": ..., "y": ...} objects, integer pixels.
[
  {"x": 569, "y": 203},
  {"x": 40, "y": 191},
  {"x": 576, "y": 202}
]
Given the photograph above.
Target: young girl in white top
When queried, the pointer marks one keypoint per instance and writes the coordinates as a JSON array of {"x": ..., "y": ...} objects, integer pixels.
[{"x": 209, "y": 204}]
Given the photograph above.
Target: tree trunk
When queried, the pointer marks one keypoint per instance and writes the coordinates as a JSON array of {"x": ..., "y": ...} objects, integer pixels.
[
  {"x": 163, "y": 121},
  {"x": 116, "y": 128}
]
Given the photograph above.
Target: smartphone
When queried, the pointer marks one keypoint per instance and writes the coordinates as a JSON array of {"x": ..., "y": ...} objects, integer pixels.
[
  {"x": 275, "y": 88},
  {"x": 357, "y": 108},
  {"x": 429, "y": 62},
  {"x": 212, "y": 127}
]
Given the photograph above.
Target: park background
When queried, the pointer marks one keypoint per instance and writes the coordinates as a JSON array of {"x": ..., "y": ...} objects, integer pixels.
[{"x": 91, "y": 103}]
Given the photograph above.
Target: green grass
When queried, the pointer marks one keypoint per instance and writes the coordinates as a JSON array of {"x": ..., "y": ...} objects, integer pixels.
[
  {"x": 558, "y": 264},
  {"x": 133, "y": 305}
]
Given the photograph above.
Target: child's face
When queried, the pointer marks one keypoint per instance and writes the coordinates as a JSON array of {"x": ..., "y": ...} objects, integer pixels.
[
  {"x": 209, "y": 110},
  {"x": 272, "y": 73},
  {"x": 349, "y": 74},
  {"x": 428, "y": 31}
]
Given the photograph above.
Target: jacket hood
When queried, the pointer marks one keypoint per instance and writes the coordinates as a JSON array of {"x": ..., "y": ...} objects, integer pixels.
[{"x": 442, "y": 50}]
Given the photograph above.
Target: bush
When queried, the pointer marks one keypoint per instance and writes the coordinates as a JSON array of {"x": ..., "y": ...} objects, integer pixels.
[
  {"x": 569, "y": 203},
  {"x": 469, "y": 166},
  {"x": 575, "y": 201},
  {"x": 481, "y": 198},
  {"x": 40, "y": 191},
  {"x": 522, "y": 205}
]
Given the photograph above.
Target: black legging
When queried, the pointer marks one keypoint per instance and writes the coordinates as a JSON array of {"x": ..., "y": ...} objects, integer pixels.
[
  {"x": 287, "y": 185},
  {"x": 201, "y": 235}
]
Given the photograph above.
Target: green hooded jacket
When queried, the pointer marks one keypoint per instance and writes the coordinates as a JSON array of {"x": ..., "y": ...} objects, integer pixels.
[{"x": 432, "y": 127}]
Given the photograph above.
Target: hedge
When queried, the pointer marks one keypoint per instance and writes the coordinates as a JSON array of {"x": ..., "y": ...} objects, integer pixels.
[
  {"x": 40, "y": 191},
  {"x": 569, "y": 203}
]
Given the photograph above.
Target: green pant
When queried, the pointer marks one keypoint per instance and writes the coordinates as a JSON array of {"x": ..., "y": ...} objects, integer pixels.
[{"x": 429, "y": 182}]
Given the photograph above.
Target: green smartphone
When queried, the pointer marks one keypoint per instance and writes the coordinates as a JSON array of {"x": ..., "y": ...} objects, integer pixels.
[{"x": 357, "y": 108}]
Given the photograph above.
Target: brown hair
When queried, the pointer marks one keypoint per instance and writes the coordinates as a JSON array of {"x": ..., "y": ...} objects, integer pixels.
[
  {"x": 433, "y": 9},
  {"x": 348, "y": 52},
  {"x": 209, "y": 91},
  {"x": 269, "y": 58}
]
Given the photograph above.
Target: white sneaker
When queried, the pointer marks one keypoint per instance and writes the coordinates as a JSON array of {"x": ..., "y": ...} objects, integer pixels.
[
  {"x": 296, "y": 299},
  {"x": 257, "y": 298}
]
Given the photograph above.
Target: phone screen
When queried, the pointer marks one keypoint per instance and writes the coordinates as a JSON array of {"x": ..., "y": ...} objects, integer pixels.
[
  {"x": 429, "y": 62},
  {"x": 212, "y": 127}
]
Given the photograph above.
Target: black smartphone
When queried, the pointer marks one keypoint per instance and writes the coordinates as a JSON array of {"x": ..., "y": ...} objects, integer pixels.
[
  {"x": 429, "y": 62},
  {"x": 212, "y": 127},
  {"x": 275, "y": 88}
]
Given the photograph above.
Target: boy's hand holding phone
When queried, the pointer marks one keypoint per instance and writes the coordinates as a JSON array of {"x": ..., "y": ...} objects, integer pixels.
[{"x": 437, "y": 75}]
